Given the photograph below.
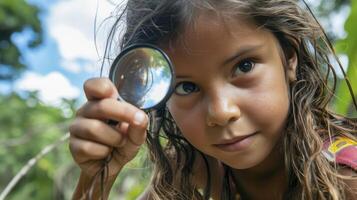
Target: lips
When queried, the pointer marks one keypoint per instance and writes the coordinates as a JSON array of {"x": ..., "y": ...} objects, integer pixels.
[
  {"x": 234, "y": 140},
  {"x": 236, "y": 144}
]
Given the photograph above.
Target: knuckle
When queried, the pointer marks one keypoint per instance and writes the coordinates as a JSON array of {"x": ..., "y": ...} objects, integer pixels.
[
  {"x": 100, "y": 107},
  {"x": 74, "y": 150},
  {"x": 98, "y": 88},
  {"x": 79, "y": 112},
  {"x": 85, "y": 149},
  {"x": 106, "y": 85},
  {"x": 92, "y": 128},
  {"x": 73, "y": 127},
  {"x": 88, "y": 84}
]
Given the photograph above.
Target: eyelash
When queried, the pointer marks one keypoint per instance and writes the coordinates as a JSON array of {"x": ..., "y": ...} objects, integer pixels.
[
  {"x": 177, "y": 87},
  {"x": 239, "y": 64},
  {"x": 194, "y": 88}
]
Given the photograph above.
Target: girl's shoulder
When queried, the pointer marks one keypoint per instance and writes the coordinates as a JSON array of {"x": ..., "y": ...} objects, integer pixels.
[{"x": 341, "y": 150}]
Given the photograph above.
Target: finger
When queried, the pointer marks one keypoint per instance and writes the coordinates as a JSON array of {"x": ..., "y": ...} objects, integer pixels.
[
  {"x": 85, "y": 150},
  {"x": 108, "y": 109},
  {"x": 137, "y": 130},
  {"x": 99, "y": 88},
  {"x": 96, "y": 131},
  {"x": 122, "y": 127}
]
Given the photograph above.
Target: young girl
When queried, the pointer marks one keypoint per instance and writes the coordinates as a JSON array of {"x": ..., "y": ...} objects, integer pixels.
[{"x": 248, "y": 118}]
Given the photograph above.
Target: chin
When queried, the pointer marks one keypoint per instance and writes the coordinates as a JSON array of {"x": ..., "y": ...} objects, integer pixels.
[
  {"x": 247, "y": 161},
  {"x": 242, "y": 165}
]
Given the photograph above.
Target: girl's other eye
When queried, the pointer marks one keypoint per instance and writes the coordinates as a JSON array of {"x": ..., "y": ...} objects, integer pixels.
[
  {"x": 186, "y": 88},
  {"x": 243, "y": 67}
]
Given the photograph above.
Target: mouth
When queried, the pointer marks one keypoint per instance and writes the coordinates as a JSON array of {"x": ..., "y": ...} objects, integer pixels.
[{"x": 236, "y": 144}]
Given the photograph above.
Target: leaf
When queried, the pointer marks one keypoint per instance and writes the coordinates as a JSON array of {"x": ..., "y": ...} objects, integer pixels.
[
  {"x": 16, "y": 16},
  {"x": 348, "y": 46}
]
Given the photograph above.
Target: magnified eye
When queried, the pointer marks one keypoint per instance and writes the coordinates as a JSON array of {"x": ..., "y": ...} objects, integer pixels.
[
  {"x": 244, "y": 67},
  {"x": 186, "y": 88}
]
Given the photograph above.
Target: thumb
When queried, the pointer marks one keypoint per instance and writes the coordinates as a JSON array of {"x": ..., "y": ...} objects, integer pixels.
[{"x": 136, "y": 134}]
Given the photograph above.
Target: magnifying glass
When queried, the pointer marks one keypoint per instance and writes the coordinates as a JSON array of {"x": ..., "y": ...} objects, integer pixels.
[{"x": 143, "y": 75}]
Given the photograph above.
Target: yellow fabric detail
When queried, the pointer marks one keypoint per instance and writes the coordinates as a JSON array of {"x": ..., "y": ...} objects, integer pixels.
[{"x": 341, "y": 142}]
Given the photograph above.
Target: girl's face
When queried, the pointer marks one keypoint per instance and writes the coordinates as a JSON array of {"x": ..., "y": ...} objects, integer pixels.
[{"x": 231, "y": 99}]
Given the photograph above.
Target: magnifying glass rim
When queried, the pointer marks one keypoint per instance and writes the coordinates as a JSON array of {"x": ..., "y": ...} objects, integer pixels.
[{"x": 150, "y": 46}]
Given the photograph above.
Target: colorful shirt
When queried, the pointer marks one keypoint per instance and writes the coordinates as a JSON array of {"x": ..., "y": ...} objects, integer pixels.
[{"x": 341, "y": 150}]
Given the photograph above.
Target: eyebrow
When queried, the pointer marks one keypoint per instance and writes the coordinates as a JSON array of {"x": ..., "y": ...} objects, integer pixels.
[{"x": 242, "y": 51}]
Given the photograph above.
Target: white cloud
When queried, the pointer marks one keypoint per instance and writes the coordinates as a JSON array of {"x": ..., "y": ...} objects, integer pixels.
[
  {"x": 73, "y": 43},
  {"x": 71, "y": 24},
  {"x": 51, "y": 87},
  {"x": 71, "y": 66}
]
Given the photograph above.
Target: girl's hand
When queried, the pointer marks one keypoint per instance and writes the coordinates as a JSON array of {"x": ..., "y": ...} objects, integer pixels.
[{"x": 92, "y": 139}]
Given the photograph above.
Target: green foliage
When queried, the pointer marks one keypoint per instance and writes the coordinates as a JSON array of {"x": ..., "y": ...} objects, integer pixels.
[
  {"x": 27, "y": 126},
  {"x": 15, "y": 16},
  {"x": 348, "y": 46},
  {"x": 133, "y": 179},
  {"x": 324, "y": 10}
]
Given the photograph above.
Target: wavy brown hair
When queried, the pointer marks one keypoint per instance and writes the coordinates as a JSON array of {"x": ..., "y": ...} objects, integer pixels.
[{"x": 309, "y": 123}]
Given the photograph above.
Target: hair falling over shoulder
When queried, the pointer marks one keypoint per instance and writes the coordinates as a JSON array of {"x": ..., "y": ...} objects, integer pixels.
[{"x": 310, "y": 122}]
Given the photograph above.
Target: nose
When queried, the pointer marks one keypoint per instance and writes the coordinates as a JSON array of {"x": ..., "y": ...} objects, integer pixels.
[{"x": 222, "y": 109}]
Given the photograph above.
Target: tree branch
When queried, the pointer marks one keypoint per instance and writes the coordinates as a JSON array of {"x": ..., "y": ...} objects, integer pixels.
[
  {"x": 25, "y": 169},
  {"x": 29, "y": 134}
]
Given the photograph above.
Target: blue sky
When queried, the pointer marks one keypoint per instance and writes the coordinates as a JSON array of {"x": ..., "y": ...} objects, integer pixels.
[{"x": 68, "y": 55}]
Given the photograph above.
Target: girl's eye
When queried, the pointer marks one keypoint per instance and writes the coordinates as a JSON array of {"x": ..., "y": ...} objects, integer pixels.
[
  {"x": 185, "y": 88},
  {"x": 244, "y": 67}
]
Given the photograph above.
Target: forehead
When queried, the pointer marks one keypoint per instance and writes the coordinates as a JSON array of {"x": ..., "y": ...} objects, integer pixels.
[
  {"x": 208, "y": 21},
  {"x": 210, "y": 33}
]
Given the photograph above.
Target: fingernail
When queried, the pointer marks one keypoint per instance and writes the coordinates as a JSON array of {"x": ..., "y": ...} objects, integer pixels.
[{"x": 139, "y": 118}]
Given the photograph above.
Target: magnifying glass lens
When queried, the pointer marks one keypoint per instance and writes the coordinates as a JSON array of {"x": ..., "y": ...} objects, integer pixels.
[{"x": 143, "y": 76}]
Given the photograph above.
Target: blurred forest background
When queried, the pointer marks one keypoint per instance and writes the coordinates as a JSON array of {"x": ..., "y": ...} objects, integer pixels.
[{"x": 34, "y": 158}]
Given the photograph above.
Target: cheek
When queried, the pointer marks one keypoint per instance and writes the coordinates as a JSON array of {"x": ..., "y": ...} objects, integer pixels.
[
  {"x": 272, "y": 104},
  {"x": 190, "y": 121},
  {"x": 271, "y": 107}
]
